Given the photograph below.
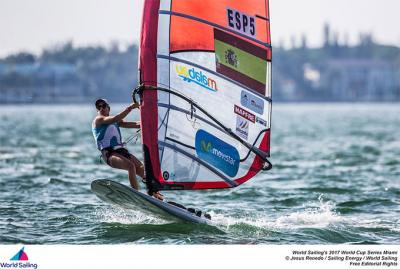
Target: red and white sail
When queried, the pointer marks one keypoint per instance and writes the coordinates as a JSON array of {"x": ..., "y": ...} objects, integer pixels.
[{"x": 206, "y": 119}]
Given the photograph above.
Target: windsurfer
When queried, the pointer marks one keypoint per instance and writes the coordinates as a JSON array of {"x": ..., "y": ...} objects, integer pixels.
[{"x": 106, "y": 131}]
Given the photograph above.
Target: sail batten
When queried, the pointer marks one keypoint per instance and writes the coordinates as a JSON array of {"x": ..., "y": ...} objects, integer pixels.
[{"x": 206, "y": 100}]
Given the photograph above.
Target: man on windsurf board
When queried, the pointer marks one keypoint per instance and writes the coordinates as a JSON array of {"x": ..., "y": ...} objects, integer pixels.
[{"x": 107, "y": 134}]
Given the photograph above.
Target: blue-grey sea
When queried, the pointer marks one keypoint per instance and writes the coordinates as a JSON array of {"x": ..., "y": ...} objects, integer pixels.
[{"x": 335, "y": 180}]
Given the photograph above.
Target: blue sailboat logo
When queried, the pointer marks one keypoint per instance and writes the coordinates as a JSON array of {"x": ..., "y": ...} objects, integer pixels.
[{"x": 20, "y": 256}]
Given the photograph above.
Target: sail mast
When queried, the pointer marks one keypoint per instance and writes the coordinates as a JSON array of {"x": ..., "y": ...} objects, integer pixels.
[{"x": 148, "y": 76}]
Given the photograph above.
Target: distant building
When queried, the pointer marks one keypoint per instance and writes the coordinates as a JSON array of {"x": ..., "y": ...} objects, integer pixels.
[
  {"x": 360, "y": 80},
  {"x": 288, "y": 88},
  {"x": 40, "y": 83}
]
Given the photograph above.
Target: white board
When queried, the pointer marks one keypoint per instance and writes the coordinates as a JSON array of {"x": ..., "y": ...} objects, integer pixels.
[{"x": 127, "y": 197}]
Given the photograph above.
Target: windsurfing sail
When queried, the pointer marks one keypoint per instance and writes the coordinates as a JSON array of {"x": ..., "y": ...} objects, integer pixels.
[{"x": 205, "y": 71}]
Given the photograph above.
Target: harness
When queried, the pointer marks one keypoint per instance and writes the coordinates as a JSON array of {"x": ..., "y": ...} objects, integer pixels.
[{"x": 107, "y": 152}]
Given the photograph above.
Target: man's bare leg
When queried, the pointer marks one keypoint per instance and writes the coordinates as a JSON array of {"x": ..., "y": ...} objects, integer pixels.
[
  {"x": 120, "y": 162},
  {"x": 158, "y": 195},
  {"x": 140, "y": 171},
  {"x": 139, "y": 166}
]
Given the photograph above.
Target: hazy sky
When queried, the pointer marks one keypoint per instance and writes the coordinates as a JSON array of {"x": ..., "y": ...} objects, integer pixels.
[{"x": 34, "y": 24}]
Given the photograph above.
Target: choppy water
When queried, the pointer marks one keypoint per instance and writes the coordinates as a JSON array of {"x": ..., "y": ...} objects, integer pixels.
[{"x": 336, "y": 179}]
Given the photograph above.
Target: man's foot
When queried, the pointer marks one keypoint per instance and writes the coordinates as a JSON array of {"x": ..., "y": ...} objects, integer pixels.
[{"x": 158, "y": 195}]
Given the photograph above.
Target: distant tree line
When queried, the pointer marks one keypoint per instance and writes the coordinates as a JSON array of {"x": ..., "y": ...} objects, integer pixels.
[
  {"x": 112, "y": 72},
  {"x": 289, "y": 63}
]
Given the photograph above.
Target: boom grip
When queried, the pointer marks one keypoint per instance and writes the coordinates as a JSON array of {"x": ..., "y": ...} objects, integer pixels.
[{"x": 137, "y": 91}]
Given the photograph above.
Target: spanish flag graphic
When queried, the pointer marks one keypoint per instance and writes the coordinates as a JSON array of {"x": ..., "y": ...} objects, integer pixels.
[{"x": 241, "y": 60}]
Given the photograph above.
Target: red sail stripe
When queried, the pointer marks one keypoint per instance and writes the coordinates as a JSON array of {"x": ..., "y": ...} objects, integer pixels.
[{"x": 148, "y": 69}]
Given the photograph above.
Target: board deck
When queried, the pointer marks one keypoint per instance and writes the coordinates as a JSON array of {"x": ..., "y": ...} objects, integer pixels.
[{"x": 127, "y": 197}]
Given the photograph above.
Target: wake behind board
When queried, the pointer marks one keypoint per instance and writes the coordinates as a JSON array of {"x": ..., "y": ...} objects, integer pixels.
[{"x": 126, "y": 197}]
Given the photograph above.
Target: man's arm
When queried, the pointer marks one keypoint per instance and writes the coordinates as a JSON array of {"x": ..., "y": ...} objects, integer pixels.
[
  {"x": 117, "y": 118},
  {"x": 128, "y": 124}
]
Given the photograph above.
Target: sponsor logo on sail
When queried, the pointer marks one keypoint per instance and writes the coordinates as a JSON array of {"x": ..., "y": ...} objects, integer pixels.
[
  {"x": 217, "y": 153},
  {"x": 19, "y": 260},
  {"x": 196, "y": 76},
  {"x": 252, "y": 102},
  {"x": 245, "y": 114},
  {"x": 242, "y": 127},
  {"x": 261, "y": 121}
]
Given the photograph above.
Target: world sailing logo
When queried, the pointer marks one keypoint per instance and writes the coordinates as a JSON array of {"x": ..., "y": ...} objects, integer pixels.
[
  {"x": 217, "y": 153},
  {"x": 19, "y": 260},
  {"x": 198, "y": 77},
  {"x": 20, "y": 256}
]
